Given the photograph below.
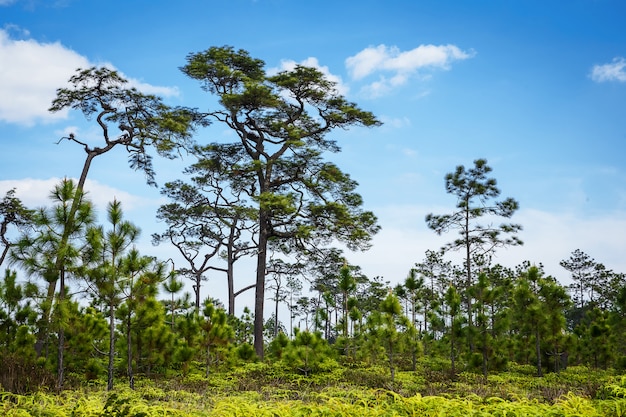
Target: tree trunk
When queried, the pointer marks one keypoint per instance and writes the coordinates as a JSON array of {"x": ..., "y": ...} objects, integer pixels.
[
  {"x": 4, "y": 252},
  {"x": 61, "y": 348},
  {"x": 259, "y": 298},
  {"x": 208, "y": 358},
  {"x": 276, "y": 295},
  {"x": 111, "y": 346},
  {"x": 196, "y": 289},
  {"x": 129, "y": 353},
  {"x": 230, "y": 273},
  {"x": 468, "y": 267},
  {"x": 538, "y": 353},
  {"x": 392, "y": 369}
]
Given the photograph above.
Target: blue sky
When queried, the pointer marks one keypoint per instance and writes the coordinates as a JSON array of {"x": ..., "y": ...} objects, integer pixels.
[{"x": 538, "y": 88}]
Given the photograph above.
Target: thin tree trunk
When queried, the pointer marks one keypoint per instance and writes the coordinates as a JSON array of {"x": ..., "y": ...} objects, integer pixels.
[
  {"x": 230, "y": 274},
  {"x": 208, "y": 359},
  {"x": 129, "y": 353},
  {"x": 196, "y": 289},
  {"x": 111, "y": 346},
  {"x": 276, "y": 310},
  {"x": 61, "y": 347},
  {"x": 4, "y": 252},
  {"x": 538, "y": 353}
]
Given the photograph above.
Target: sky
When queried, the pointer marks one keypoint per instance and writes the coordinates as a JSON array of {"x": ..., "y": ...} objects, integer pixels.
[{"x": 538, "y": 88}]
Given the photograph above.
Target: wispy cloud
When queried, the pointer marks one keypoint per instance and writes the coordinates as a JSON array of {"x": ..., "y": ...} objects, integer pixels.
[
  {"x": 396, "y": 122},
  {"x": 396, "y": 67},
  {"x": 32, "y": 71},
  {"x": 614, "y": 71},
  {"x": 288, "y": 65}
]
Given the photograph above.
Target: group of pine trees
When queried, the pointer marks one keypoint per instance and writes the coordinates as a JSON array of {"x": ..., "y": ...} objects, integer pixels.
[{"x": 80, "y": 301}]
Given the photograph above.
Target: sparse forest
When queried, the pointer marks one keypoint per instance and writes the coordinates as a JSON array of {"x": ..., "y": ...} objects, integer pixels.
[{"x": 112, "y": 331}]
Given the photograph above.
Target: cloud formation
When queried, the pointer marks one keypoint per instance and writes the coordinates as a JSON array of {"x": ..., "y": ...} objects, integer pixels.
[
  {"x": 32, "y": 71},
  {"x": 614, "y": 71},
  {"x": 395, "y": 67},
  {"x": 29, "y": 76}
]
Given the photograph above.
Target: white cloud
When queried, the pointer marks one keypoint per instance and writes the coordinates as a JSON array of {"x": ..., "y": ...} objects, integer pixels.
[
  {"x": 288, "y": 65},
  {"x": 615, "y": 71},
  {"x": 548, "y": 238},
  {"x": 400, "y": 65},
  {"x": 152, "y": 89},
  {"x": 29, "y": 76},
  {"x": 34, "y": 193},
  {"x": 32, "y": 71}
]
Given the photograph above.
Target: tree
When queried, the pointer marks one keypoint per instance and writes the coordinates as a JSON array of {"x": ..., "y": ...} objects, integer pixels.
[
  {"x": 281, "y": 122},
  {"x": 12, "y": 213},
  {"x": 475, "y": 193},
  {"x": 206, "y": 221},
  {"x": 392, "y": 330},
  {"x": 437, "y": 277},
  {"x": 58, "y": 234},
  {"x": 347, "y": 285},
  {"x": 487, "y": 327},
  {"x": 127, "y": 118},
  {"x": 18, "y": 368},
  {"x": 107, "y": 276},
  {"x": 172, "y": 287},
  {"x": 279, "y": 269},
  {"x": 583, "y": 268},
  {"x": 217, "y": 332},
  {"x": 141, "y": 276},
  {"x": 307, "y": 352},
  {"x": 453, "y": 302},
  {"x": 539, "y": 304}
]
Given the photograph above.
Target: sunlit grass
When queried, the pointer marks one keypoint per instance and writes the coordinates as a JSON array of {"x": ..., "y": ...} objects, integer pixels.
[{"x": 266, "y": 391}]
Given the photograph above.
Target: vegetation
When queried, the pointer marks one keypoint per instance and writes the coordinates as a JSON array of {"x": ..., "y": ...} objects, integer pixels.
[{"x": 112, "y": 331}]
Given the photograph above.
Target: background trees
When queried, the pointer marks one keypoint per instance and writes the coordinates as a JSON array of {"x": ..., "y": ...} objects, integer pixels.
[{"x": 272, "y": 195}]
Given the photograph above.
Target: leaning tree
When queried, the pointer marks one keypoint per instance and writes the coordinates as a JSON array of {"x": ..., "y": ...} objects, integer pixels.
[
  {"x": 281, "y": 123},
  {"x": 127, "y": 118}
]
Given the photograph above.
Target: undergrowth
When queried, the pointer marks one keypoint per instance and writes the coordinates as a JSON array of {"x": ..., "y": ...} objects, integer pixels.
[{"x": 259, "y": 389}]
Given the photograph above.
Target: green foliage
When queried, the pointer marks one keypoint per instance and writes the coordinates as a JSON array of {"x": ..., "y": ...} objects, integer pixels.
[
  {"x": 246, "y": 352},
  {"x": 307, "y": 353},
  {"x": 342, "y": 402}
]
